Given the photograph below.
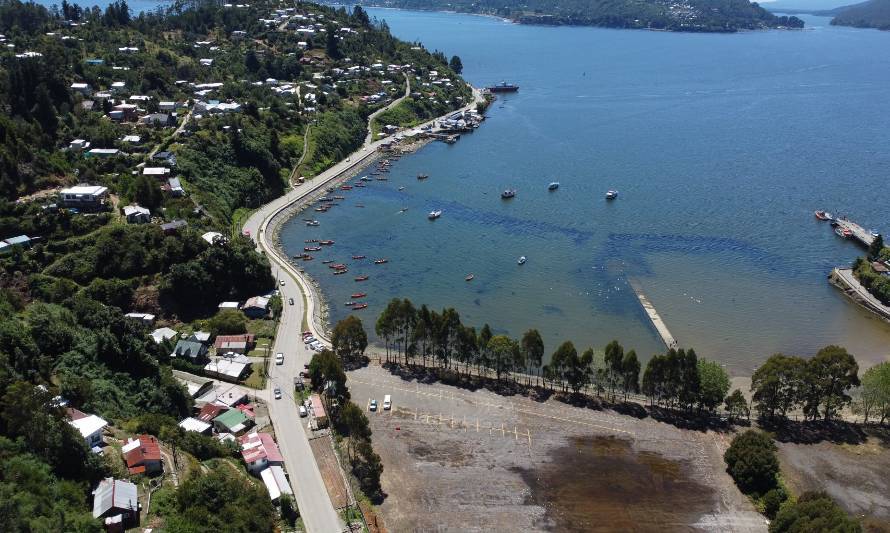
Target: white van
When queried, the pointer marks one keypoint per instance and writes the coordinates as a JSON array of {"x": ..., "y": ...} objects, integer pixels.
[{"x": 387, "y": 402}]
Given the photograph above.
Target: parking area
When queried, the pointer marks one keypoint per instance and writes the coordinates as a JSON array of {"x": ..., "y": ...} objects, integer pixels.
[{"x": 460, "y": 460}]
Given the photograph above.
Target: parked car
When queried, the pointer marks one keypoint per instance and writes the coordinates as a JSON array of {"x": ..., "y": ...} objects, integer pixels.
[
  {"x": 309, "y": 340},
  {"x": 279, "y": 358},
  {"x": 303, "y": 411},
  {"x": 372, "y": 406},
  {"x": 277, "y": 393},
  {"x": 387, "y": 402},
  {"x": 282, "y": 283},
  {"x": 290, "y": 301}
]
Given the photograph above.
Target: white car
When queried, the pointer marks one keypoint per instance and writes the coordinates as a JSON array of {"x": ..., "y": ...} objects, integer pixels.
[
  {"x": 279, "y": 358},
  {"x": 277, "y": 393},
  {"x": 303, "y": 411},
  {"x": 282, "y": 283},
  {"x": 387, "y": 402},
  {"x": 309, "y": 340}
]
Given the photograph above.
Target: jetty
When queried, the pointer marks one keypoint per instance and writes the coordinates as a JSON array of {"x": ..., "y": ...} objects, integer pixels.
[
  {"x": 858, "y": 232},
  {"x": 844, "y": 279},
  {"x": 665, "y": 334}
]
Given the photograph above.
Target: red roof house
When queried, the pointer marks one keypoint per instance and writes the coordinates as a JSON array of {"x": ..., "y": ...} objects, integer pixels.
[
  {"x": 259, "y": 451},
  {"x": 143, "y": 455},
  {"x": 210, "y": 411}
]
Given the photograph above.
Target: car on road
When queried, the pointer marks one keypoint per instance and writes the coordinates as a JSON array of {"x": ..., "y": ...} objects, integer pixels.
[
  {"x": 303, "y": 411},
  {"x": 277, "y": 393},
  {"x": 290, "y": 301},
  {"x": 279, "y": 358},
  {"x": 372, "y": 406},
  {"x": 282, "y": 283},
  {"x": 387, "y": 402},
  {"x": 309, "y": 340}
]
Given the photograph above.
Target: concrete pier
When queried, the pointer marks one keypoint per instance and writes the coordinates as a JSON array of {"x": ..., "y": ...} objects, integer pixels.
[
  {"x": 653, "y": 315},
  {"x": 859, "y": 233}
]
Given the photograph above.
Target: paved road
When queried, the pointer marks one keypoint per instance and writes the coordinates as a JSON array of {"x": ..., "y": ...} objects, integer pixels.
[{"x": 309, "y": 491}]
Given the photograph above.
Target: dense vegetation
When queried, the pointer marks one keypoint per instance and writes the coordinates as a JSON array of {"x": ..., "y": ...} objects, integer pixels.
[
  {"x": 876, "y": 283},
  {"x": 688, "y": 15},
  {"x": 813, "y": 512},
  {"x": 870, "y": 14},
  {"x": 752, "y": 462}
]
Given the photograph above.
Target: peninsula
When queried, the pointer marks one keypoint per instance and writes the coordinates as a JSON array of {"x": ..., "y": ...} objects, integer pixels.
[{"x": 715, "y": 16}]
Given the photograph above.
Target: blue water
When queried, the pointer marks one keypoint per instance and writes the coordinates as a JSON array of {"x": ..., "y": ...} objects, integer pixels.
[{"x": 721, "y": 147}]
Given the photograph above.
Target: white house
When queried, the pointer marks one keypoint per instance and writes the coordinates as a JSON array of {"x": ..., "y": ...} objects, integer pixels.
[
  {"x": 89, "y": 426},
  {"x": 83, "y": 195},
  {"x": 136, "y": 214},
  {"x": 82, "y": 88}
]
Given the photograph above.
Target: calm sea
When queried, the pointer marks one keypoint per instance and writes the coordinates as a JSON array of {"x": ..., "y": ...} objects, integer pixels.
[{"x": 721, "y": 147}]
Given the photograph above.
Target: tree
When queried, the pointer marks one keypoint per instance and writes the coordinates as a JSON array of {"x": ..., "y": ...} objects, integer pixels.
[
  {"x": 874, "y": 395},
  {"x": 502, "y": 350},
  {"x": 533, "y": 346},
  {"x": 776, "y": 385},
  {"x": 875, "y": 248},
  {"x": 456, "y": 64},
  {"x": 332, "y": 45},
  {"x": 737, "y": 406},
  {"x": 630, "y": 373},
  {"x": 714, "y": 384},
  {"x": 831, "y": 374},
  {"x": 752, "y": 462},
  {"x": 361, "y": 16},
  {"x": 228, "y": 322},
  {"x": 325, "y": 369},
  {"x": 221, "y": 500},
  {"x": 815, "y": 512},
  {"x": 349, "y": 339},
  {"x": 614, "y": 360}
]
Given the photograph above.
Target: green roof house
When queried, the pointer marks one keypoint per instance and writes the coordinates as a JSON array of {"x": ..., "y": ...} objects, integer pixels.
[{"x": 232, "y": 421}]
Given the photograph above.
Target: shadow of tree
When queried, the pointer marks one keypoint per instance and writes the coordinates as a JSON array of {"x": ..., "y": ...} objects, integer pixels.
[{"x": 812, "y": 432}]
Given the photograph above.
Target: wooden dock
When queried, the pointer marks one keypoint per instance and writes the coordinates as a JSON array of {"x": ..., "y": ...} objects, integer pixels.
[
  {"x": 665, "y": 334},
  {"x": 859, "y": 233}
]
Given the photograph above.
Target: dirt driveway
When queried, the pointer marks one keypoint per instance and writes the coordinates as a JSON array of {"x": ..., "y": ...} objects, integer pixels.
[{"x": 458, "y": 460}]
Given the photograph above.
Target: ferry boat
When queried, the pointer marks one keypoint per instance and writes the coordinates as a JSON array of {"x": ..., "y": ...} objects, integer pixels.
[
  {"x": 553, "y": 186},
  {"x": 358, "y": 295},
  {"x": 359, "y": 307},
  {"x": 509, "y": 193},
  {"x": 843, "y": 232},
  {"x": 422, "y": 176},
  {"x": 503, "y": 87},
  {"x": 381, "y": 261},
  {"x": 361, "y": 278},
  {"x": 611, "y": 195},
  {"x": 469, "y": 277},
  {"x": 521, "y": 260},
  {"x": 434, "y": 214},
  {"x": 358, "y": 257},
  {"x": 313, "y": 223},
  {"x": 823, "y": 215}
]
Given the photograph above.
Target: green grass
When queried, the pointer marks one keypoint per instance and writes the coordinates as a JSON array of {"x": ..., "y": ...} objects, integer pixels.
[
  {"x": 239, "y": 217},
  {"x": 257, "y": 377}
]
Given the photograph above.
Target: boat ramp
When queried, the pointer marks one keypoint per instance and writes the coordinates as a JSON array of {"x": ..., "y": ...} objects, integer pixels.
[{"x": 665, "y": 334}]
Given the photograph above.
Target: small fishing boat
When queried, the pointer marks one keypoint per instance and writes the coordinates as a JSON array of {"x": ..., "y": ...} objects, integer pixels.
[
  {"x": 433, "y": 215},
  {"x": 823, "y": 215},
  {"x": 402, "y": 210},
  {"x": 874, "y": 233},
  {"x": 469, "y": 277},
  {"x": 382, "y": 178},
  {"x": 307, "y": 257},
  {"x": 358, "y": 257},
  {"x": 310, "y": 240},
  {"x": 521, "y": 260},
  {"x": 341, "y": 271},
  {"x": 381, "y": 261},
  {"x": 360, "y": 205},
  {"x": 359, "y": 307},
  {"x": 362, "y": 185},
  {"x": 842, "y": 232},
  {"x": 339, "y": 197},
  {"x": 313, "y": 223},
  {"x": 327, "y": 261},
  {"x": 611, "y": 195},
  {"x": 348, "y": 304},
  {"x": 358, "y": 295},
  {"x": 401, "y": 188},
  {"x": 361, "y": 278},
  {"x": 311, "y": 248},
  {"x": 338, "y": 266},
  {"x": 553, "y": 186},
  {"x": 326, "y": 243},
  {"x": 365, "y": 178},
  {"x": 345, "y": 187},
  {"x": 422, "y": 176},
  {"x": 320, "y": 210},
  {"x": 509, "y": 193}
]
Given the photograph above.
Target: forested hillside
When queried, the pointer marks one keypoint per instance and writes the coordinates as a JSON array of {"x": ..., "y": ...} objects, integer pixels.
[{"x": 870, "y": 14}]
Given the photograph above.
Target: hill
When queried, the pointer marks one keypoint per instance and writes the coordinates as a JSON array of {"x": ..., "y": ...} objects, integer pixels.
[
  {"x": 870, "y": 14},
  {"x": 669, "y": 15}
]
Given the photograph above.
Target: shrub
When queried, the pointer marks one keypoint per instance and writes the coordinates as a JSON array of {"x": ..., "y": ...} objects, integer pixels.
[
  {"x": 773, "y": 500},
  {"x": 813, "y": 512},
  {"x": 751, "y": 461}
]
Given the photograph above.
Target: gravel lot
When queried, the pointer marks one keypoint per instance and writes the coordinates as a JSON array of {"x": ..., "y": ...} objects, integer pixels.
[{"x": 459, "y": 460}]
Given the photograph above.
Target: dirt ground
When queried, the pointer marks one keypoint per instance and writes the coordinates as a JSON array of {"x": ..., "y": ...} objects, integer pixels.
[
  {"x": 330, "y": 471},
  {"x": 459, "y": 460},
  {"x": 856, "y": 476}
]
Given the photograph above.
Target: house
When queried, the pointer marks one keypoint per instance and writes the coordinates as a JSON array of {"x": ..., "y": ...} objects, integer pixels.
[
  {"x": 78, "y": 145},
  {"x": 256, "y": 307},
  {"x": 276, "y": 482},
  {"x": 158, "y": 119},
  {"x": 89, "y": 196},
  {"x": 117, "y": 501},
  {"x": 174, "y": 186},
  {"x": 145, "y": 318},
  {"x": 89, "y": 426},
  {"x": 210, "y": 411},
  {"x": 167, "y": 157},
  {"x": 259, "y": 451},
  {"x": 137, "y": 215},
  {"x": 200, "y": 336},
  {"x": 229, "y": 305},
  {"x": 171, "y": 228},
  {"x": 232, "y": 421},
  {"x": 238, "y": 35},
  {"x": 205, "y": 62},
  {"x": 155, "y": 172},
  {"x": 143, "y": 455},
  {"x": 168, "y": 107},
  {"x": 318, "y": 412},
  {"x": 235, "y": 343},
  {"x": 213, "y": 236},
  {"x": 7, "y": 245},
  {"x": 227, "y": 369},
  {"x": 123, "y": 112},
  {"x": 225, "y": 394},
  {"x": 82, "y": 88},
  {"x": 191, "y": 349},
  {"x": 102, "y": 152},
  {"x": 161, "y": 334},
  {"x": 193, "y": 424},
  {"x": 132, "y": 139}
]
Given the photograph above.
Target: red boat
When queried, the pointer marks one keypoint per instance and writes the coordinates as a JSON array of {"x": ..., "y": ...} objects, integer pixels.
[
  {"x": 338, "y": 266},
  {"x": 361, "y": 278},
  {"x": 381, "y": 261},
  {"x": 341, "y": 271},
  {"x": 358, "y": 295},
  {"x": 311, "y": 248},
  {"x": 346, "y": 187},
  {"x": 326, "y": 243},
  {"x": 358, "y": 257},
  {"x": 357, "y": 307}
]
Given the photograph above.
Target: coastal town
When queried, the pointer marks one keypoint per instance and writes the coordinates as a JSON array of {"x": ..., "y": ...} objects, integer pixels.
[{"x": 169, "y": 363}]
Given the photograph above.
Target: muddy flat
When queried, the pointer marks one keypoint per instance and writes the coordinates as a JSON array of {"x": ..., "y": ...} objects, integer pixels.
[{"x": 459, "y": 460}]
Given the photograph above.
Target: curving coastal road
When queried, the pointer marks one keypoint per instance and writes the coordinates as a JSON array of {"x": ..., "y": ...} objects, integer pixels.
[{"x": 309, "y": 490}]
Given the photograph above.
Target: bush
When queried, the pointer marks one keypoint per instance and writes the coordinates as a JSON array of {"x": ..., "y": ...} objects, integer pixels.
[
  {"x": 773, "y": 500},
  {"x": 813, "y": 512},
  {"x": 751, "y": 461}
]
